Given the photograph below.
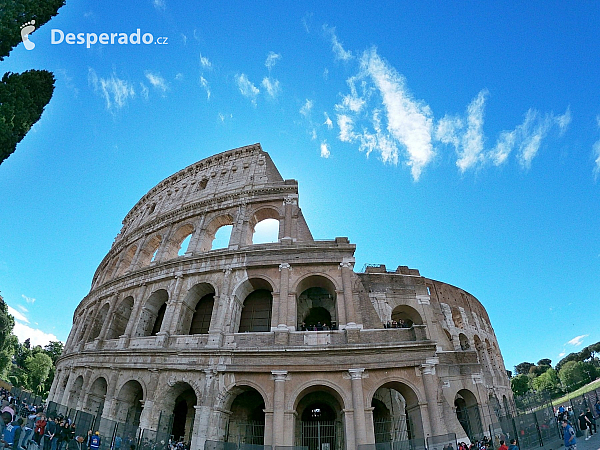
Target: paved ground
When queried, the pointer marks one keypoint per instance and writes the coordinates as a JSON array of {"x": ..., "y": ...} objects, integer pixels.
[{"x": 592, "y": 444}]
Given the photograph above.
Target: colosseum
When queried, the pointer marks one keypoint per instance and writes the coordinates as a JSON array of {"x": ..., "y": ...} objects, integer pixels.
[{"x": 270, "y": 345}]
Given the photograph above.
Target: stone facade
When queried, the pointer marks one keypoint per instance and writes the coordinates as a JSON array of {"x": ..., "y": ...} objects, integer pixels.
[{"x": 213, "y": 338}]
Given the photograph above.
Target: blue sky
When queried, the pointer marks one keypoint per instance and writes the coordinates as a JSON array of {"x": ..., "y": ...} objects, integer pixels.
[{"x": 459, "y": 139}]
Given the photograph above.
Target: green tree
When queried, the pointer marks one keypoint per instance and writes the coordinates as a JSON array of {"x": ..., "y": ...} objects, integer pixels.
[
  {"x": 39, "y": 366},
  {"x": 572, "y": 375},
  {"x": 520, "y": 384},
  {"x": 548, "y": 381},
  {"x": 22, "y": 96},
  {"x": 7, "y": 340},
  {"x": 523, "y": 368},
  {"x": 545, "y": 362}
]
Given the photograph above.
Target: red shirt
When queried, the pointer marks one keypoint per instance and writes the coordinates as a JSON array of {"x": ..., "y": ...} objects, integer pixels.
[{"x": 503, "y": 447}]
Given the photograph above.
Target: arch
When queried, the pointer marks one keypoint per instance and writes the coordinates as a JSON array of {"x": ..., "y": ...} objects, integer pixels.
[
  {"x": 321, "y": 417},
  {"x": 178, "y": 403},
  {"x": 255, "y": 315},
  {"x": 246, "y": 421},
  {"x": 96, "y": 396},
  {"x": 75, "y": 392},
  {"x": 175, "y": 242},
  {"x": 406, "y": 316},
  {"x": 148, "y": 253},
  {"x": 152, "y": 314},
  {"x": 127, "y": 260},
  {"x": 261, "y": 215},
  {"x": 110, "y": 270},
  {"x": 129, "y": 402},
  {"x": 120, "y": 318},
  {"x": 197, "y": 311},
  {"x": 98, "y": 322},
  {"x": 316, "y": 301},
  {"x": 212, "y": 228},
  {"x": 457, "y": 318},
  {"x": 467, "y": 413},
  {"x": 464, "y": 342}
]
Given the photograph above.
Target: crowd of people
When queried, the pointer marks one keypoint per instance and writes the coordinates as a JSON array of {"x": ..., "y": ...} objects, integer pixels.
[{"x": 585, "y": 422}]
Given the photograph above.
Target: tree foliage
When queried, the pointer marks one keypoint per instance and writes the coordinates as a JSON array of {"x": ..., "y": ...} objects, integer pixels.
[
  {"x": 520, "y": 384},
  {"x": 39, "y": 366},
  {"x": 15, "y": 13},
  {"x": 523, "y": 368},
  {"x": 547, "y": 381}
]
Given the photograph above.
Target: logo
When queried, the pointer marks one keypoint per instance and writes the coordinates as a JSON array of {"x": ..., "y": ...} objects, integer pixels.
[
  {"x": 89, "y": 39},
  {"x": 26, "y": 30}
]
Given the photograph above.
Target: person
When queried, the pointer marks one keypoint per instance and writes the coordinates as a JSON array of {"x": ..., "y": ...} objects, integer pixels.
[
  {"x": 503, "y": 446},
  {"x": 584, "y": 425},
  {"x": 569, "y": 435},
  {"x": 95, "y": 441},
  {"x": 12, "y": 432},
  {"x": 40, "y": 428},
  {"x": 513, "y": 445},
  {"x": 49, "y": 434},
  {"x": 76, "y": 444},
  {"x": 117, "y": 443},
  {"x": 597, "y": 407},
  {"x": 592, "y": 421}
]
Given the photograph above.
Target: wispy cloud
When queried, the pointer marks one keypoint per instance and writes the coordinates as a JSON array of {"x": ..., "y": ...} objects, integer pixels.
[
  {"x": 204, "y": 83},
  {"x": 157, "y": 81},
  {"x": 383, "y": 117},
  {"x": 578, "y": 340},
  {"x": 179, "y": 76},
  {"x": 28, "y": 299},
  {"x": 145, "y": 92},
  {"x": 271, "y": 85},
  {"x": 596, "y": 153},
  {"x": 22, "y": 308},
  {"x": 159, "y": 4},
  {"x": 306, "y": 21},
  {"x": 247, "y": 89},
  {"x": 17, "y": 314},
  {"x": 205, "y": 63},
  {"x": 306, "y": 108},
  {"x": 328, "y": 121},
  {"x": 336, "y": 46},
  {"x": 272, "y": 59},
  {"x": 114, "y": 90},
  {"x": 325, "y": 153}
]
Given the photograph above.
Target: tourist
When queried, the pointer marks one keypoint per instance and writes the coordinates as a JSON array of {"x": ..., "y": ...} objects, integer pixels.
[
  {"x": 513, "y": 445},
  {"x": 40, "y": 428},
  {"x": 569, "y": 436},
  {"x": 49, "y": 434},
  {"x": 584, "y": 425},
  {"x": 592, "y": 421},
  {"x": 12, "y": 432},
  {"x": 76, "y": 444},
  {"x": 95, "y": 441},
  {"x": 503, "y": 446}
]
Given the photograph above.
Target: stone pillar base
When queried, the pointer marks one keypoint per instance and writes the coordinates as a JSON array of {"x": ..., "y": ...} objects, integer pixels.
[
  {"x": 282, "y": 336},
  {"x": 215, "y": 339}
]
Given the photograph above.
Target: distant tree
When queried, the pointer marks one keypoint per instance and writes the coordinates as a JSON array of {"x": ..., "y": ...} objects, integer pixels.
[
  {"x": 520, "y": 384},
  {"x": 572, "y": 375},
  {"x": 523, "y": 368},
  {"x": 547, "y": 381},
  {"x": 54, "y": 349},
  {"x": 39, "y": 367},
  {"x": 544, "y": 362},
  {"x": 509, "y": 373},
  {"x": 7, "y": 340},
  {"x": 22, "y": 96}
]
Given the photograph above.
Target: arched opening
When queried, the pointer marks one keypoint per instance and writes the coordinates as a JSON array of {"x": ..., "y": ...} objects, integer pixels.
[
  {"x": 467, "y": 413},
  {"x": 506, "y": 405},
  {"x": 152, "y": 314},
  {"x": 256, "y": 313},
  {"x": 183, "y": 247},
  {"x": 98, "y": 322},
  {"x": 457, "y": 318},
  {"x": 75, "y": 392},
  {"x": 316, "y": 303},
  {"x": 127, "y": 259},
  {"x": 266, "y": 232},
  {"x": 247, "y": 418},
  {"x": 222, "y": 237},
  {"x": 179, "y": 241},
  {"x": 406, "y": 316},
  {"x": 320, "y": 423},
  {"x": 129, "y": 403},
  {"x": 464, "y": 342},
  {"x": 96, "y": 396},
  {"x": 397, "y": 416},
  {"x": 222, "y": 225},
  {"x": 177, "y": 416},
  {"x": 120, "y": 318},
  {"x": 148, "y": 253},
  {"x": 199, "y": 302}
]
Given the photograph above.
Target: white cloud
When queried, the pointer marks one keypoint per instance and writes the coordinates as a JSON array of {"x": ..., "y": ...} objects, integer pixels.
[
  {"x": 328, "y": 121},
  {"x": 271, "y": 85},
  {"x": 17, "y": 314},
  {"x": 325, "y": 153},
  {"x": 28, "y": 299},
  {"x": 22, "y": 308},
  {"x": 206, "y": 86},
  {"x": 157, "y": 81},
  {"x": 306, "y": 108},
  {"x": 145, "y": 93},
  {"x": 272, "y": 59},
  {"x": 307, "y": 17},
  {"x": 183, "y": 38},
  {"x": 576, "y": 341},
  {"x": 36, "y": 337},
  {"x": 336, "y": 45},
  {"x": 159, "y": 4},
  {"x": 564, "y": 121},
  {"x": 179, "y": 76},
  {"x": 561, "y": 354},
  {"x": 247, "y": 89},
  {"x": 204, "y": 62},
  {"x": 386, "y": 115},
  {"x": 115, "y": 91}
]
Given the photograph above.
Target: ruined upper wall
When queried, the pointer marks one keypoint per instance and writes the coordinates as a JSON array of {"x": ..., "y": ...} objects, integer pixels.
[{"x": 245, "y": 168}]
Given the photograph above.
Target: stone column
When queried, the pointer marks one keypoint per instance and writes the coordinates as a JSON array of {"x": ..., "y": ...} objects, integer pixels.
[
  {"x": 55, "y": 383},
  {"x": 205, "y": 409},
  {"x": 217, "y": 321},
  {"x": 133, "y": 317},
  {"x": 347, "y": 266},
  {"x": 135, "y": 260},
  {"x": 195, "y": 241},
  {"x": 289, "y": 203},
  {"x": 358, "y": 404},
  {"x": 279, "y": 376},
  {"x": 431, "y": 395},
  {"x": 108, "y": 318},
  {"x": 92, "y": 322},
  {"x": 285, "y": 269},
  {"x": 173, "y": 310}
]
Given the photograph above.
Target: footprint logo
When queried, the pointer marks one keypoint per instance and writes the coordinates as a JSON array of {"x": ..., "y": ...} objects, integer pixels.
[{"x": 26, "y": 30}]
